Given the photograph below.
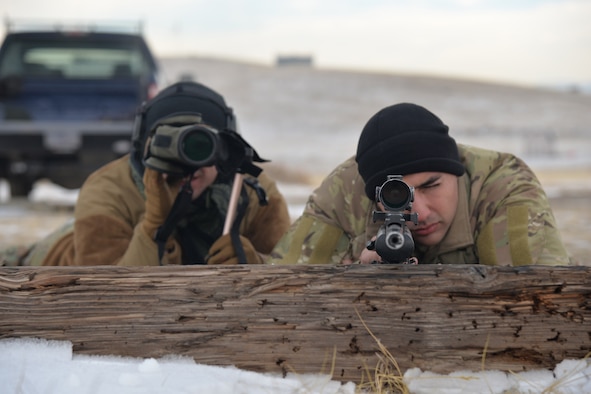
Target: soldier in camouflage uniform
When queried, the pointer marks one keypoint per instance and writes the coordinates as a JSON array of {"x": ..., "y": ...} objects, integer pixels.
[
  {"x": 474, "y": 206},
  {"x": 122, "y": 205}
]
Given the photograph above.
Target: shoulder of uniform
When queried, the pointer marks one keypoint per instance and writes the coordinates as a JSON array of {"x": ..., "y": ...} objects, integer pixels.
[
  {"x": 477, "y": 159},
  {"x": 114, "y": 165},
  {"x": 266, "y": 182},
  {"x": 113, "y": 177},
  {"x": 346, "y": 170}
]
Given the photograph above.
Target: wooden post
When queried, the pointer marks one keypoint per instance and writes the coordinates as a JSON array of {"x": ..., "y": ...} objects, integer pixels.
[{"x": 440, "y": 318}]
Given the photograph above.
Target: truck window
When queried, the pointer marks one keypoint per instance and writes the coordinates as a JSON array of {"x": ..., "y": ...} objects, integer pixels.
[{"x": 74, "y": 60}]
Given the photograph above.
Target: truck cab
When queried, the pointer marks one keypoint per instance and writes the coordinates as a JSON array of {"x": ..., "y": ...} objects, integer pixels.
[{"x": 68, "y": 98}]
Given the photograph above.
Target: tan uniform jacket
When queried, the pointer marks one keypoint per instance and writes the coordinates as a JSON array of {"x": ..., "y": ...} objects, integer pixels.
[{"x": 110, "y": 209}]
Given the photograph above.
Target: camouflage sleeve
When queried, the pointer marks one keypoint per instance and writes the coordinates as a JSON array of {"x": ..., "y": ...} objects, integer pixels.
[
  {"x": 517, "y": 226},
  {"x": 311, "y": 240},
  {"x": 333, "y": 225},
  {"x": 521, "y": 235}
]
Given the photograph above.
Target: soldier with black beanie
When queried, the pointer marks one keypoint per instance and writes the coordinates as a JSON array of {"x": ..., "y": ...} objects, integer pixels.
[{"x": 464, "y": 205}]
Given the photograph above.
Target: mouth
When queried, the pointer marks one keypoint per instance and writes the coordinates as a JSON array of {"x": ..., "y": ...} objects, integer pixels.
[{"x": 423, "y": 231}]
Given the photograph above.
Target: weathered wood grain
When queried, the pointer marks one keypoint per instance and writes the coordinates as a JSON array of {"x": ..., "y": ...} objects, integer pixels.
[{"x": 281, "y": 318}]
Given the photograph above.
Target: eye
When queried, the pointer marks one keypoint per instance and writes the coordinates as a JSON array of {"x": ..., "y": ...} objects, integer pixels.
[{"x": 431, "y": 185}]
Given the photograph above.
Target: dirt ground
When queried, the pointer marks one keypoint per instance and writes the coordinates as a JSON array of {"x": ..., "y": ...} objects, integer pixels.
[{"x": 573, "y": 215}]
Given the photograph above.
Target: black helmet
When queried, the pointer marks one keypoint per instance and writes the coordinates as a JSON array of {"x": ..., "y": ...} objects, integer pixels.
[{"x": 181, "y": 98}]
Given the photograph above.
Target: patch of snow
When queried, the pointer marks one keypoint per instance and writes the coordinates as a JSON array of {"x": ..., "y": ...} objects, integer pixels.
[{"x": 31, "y": 365}]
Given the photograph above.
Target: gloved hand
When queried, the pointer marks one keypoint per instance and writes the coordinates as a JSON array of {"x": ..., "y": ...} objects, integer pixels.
[
  {"x": 160, "y": 196},
  {"x": 222, "y": 252}
]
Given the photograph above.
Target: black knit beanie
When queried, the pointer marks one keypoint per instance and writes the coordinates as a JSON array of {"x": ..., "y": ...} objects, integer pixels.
[
  {"x": 404, "y": 139},
  {"x": 189, "y": 97}
]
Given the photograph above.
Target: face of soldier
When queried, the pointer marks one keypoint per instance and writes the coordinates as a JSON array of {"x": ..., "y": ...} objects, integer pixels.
[
  {"x": 202, "y": 179},
  {"x": 436, "y": 202}
]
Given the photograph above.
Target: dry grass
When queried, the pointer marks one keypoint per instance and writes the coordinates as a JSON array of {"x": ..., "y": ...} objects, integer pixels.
[
  {"x": 31, "y": 226},
  {"x": 386, "y": 377},
  {"x": 564, "y": 177},
  {"x": 283, "y": 173}
]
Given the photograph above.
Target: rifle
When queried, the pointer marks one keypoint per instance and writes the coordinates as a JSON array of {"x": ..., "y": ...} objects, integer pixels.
[{"x": 394, "y": 242}]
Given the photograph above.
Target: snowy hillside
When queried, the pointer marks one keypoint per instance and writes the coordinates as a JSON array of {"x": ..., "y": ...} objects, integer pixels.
[{"x": 311, "y": 119}]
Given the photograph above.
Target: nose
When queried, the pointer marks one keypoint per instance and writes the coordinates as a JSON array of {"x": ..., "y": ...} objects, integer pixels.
[{"x": 421, "y": 207}]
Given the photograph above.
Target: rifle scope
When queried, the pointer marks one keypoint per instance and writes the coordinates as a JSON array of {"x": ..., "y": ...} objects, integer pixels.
[{"x": 395, "y": 194}]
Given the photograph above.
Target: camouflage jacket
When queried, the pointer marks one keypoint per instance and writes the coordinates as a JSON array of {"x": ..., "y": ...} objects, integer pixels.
[{"x": 503, "y": 218}]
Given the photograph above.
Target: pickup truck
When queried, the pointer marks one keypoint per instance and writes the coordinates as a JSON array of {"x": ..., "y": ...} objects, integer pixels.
[{"x": 68, "y": 100}]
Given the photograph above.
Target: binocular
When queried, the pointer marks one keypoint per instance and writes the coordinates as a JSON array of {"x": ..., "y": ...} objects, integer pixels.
[
  {"x": 181, "y": 144},
  {"x": 182, "y": 150}
]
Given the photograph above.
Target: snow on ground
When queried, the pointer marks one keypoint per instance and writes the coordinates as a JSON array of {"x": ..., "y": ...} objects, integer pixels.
[
  {"x": 40, "y": 366},
  {"x": 49, "y": 193},
  {"x": 569, "y": 377}
]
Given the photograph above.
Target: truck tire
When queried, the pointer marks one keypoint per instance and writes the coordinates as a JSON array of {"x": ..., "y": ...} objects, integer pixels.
[{"x": 20, "y": 187}]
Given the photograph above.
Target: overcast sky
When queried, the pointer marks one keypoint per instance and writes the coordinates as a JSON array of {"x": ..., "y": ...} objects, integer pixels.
[{"x": 517, "y": 41}]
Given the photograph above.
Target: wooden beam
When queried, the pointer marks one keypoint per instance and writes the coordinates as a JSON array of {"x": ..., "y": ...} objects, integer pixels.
[{"x": 301, "y": 318}]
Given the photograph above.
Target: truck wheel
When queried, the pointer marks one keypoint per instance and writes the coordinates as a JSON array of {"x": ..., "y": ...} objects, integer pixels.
[{"x": 20, "y": 187}]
